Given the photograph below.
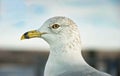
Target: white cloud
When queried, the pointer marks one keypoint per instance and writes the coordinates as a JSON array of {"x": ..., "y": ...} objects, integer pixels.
[{"x": 100, "y": 37}]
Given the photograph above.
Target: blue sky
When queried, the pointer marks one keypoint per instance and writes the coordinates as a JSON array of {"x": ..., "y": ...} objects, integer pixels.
[{"x": 98, "y": 20}]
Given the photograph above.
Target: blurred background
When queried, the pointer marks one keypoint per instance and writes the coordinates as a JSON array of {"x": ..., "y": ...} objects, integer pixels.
[{"x": 98, "y": 21}]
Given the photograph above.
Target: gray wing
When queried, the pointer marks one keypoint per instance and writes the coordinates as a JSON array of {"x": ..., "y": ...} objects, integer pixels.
[
  {"x": 85, "y": 74},
  {"x": 87, "y": 71}
]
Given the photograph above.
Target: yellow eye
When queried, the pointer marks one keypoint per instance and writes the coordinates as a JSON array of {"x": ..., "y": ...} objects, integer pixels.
[{"x": 55, "y": 26}]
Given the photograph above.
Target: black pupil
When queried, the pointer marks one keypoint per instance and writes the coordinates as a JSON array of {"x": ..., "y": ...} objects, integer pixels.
[{"x": 55, "y": 26}]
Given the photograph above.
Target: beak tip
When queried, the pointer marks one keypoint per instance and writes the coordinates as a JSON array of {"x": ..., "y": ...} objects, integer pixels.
[{"x": 22, "y": 38}]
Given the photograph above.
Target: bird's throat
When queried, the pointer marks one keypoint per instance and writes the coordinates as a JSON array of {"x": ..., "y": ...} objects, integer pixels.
[
  {"x": 66, "y": 53},
  {"x": 64, "y": 56},
  {"x": 64, "y": 60}
]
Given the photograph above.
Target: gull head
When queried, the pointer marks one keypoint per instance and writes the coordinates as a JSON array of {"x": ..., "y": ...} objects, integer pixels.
[{"x": 56, "y": 30}]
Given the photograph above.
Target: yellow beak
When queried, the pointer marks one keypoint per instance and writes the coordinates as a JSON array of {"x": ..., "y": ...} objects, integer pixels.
[{"x": 31, "y": 34}]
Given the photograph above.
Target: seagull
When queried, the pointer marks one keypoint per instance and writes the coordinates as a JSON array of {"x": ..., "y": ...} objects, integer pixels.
[{"x": 65, "y": 58}]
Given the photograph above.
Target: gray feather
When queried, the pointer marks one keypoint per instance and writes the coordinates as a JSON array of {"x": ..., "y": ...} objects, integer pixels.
[{"x": 86, "y": 71}]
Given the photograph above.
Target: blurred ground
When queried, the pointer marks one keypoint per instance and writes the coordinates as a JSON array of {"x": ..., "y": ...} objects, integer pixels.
[{"x": 31, "y": 63}]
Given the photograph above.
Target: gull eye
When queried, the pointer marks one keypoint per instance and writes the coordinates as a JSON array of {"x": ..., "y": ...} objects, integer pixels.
[{"x": 55, "y": 26}]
